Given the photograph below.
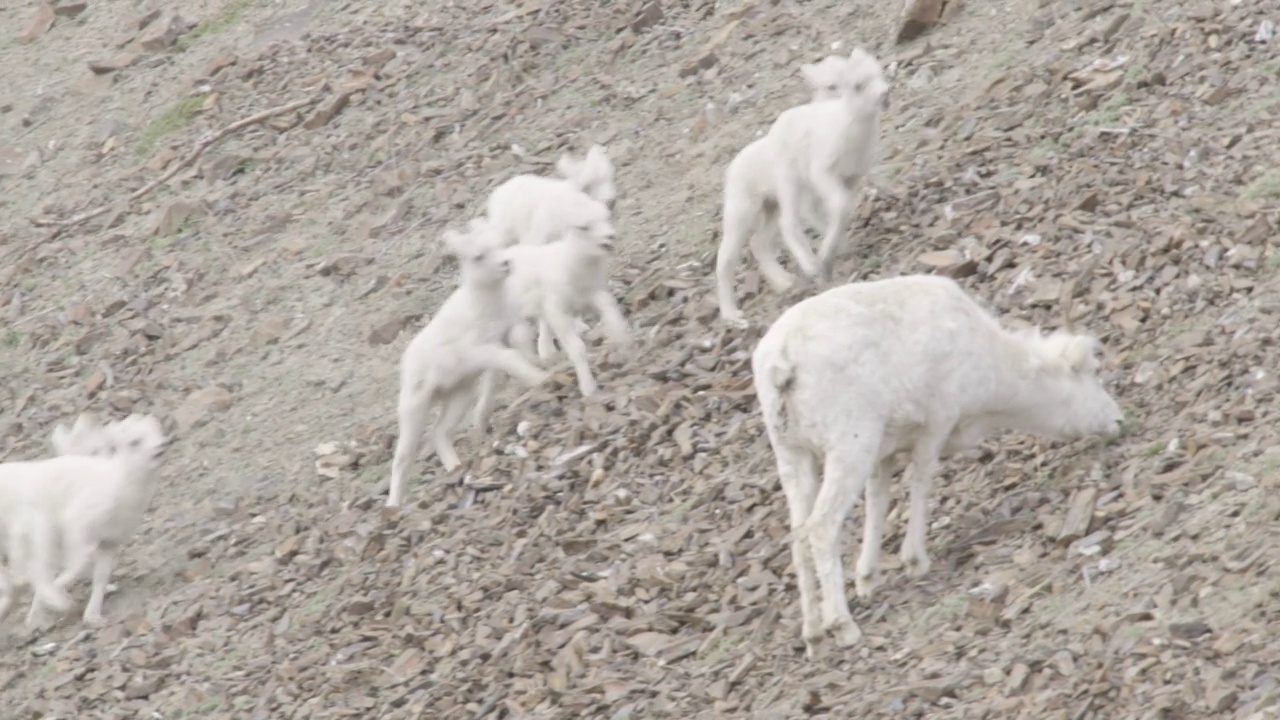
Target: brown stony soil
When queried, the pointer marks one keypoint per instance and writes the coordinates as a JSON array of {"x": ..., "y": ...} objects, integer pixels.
[{"x": 627, "y": 557}]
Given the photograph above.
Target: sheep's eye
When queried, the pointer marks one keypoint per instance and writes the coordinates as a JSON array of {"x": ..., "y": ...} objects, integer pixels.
[
  {"x": 860, "y": 87},
  {"x": 135, "y": 444}
]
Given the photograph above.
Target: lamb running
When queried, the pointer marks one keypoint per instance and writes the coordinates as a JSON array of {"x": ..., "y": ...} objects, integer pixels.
[
  {"x": 850, "y": 378},
  {"x": 525, "y": 208},
  {"x": 810, "y": 162},
  {"x": 556, "y": 282},
  {"x": 443, "y": 363},
  {"x": 84, "y": 438},
  {"x": 93, "y": 504}
]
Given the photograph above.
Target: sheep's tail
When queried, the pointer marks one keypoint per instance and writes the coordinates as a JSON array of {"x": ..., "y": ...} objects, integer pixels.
[{"x": 780, "y": 378}]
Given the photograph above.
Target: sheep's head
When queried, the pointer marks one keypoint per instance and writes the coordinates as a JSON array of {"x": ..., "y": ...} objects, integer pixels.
[
  {"x": 592, "y": 222},
  {"x": 85, "y": 437},
  {"x": 138, "y": 436},
  {"x": 1082, "y": 406},
  {"x": 480, "y": 253},
  {"x": 858, "y": 79},
  {"x": 592, "y": 175}
]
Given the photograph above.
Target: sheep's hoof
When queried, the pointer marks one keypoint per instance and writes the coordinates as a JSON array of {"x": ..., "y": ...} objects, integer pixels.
[
  {"x": 915, "y": 565},
  {"x": 846, "y": 632},
  {"x": 736, "y": 321},
  {"x": 94, "y": 620},
  {"x": 866, "y": 583}
]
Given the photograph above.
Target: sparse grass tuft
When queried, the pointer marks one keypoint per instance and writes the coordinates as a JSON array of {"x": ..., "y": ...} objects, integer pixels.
[
  {"x": 1266, "y": 187},
  {"x": 228, "y": 16},
  {"x": 178, "y": 116}
]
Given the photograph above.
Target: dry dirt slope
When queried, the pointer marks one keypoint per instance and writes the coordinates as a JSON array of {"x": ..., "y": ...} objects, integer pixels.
[{"x": 251, "y": 300}]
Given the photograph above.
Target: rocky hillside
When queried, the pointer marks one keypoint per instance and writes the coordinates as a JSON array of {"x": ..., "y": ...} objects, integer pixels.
[{"x": 229, "y": 216}]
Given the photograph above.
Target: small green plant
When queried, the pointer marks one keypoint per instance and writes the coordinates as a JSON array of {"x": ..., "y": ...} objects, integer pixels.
[
  {"x": 1110, "y": 112},
  {"x": 1266, "y": 187},
  {"x": 1154, "y": 449},
  {"x": 12, "y": 338},
  {"x": 178, "y": 116},
  {"x": 228, "y": 16}
]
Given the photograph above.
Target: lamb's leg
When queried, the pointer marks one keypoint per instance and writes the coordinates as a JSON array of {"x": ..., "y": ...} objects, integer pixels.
[
  {"x": 103, "y": 562},
  {"x": 47, "y": 591},
  {"x": 789, "y": 225},
  {"x": 738, "y": 223},
  {"x": 615, "y": 325},
  {"x": 414, "y": 406},
  {"x": 798, "y": 472},
  {"x": 844, "y": 479},
  {"x": 835, "y": 198},
  {"x": 546, "y": 348},
  {"x": 764, "y": 246},
  {"x": 867, "y": 577},
  {"x": 563, "y": 326},
  {"x": 6, "y": 591},
  {"x": 924, "y": 463},
  {"x": 509, "y": 361},
  {"x": 452, "y": 411},
  {"x": 490, "y": 382}
]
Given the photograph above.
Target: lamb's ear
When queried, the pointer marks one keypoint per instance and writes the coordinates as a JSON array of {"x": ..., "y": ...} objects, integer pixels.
[
  {"x": 598, "y": 157},
  {"x": 454, "y": 241},
  {"x": 1080, "y": 353},
  {"x": 567, "y": 166},
  {"x": 61, "y": 439},
  {"x": 814, "y": 74},
  {"x": 86, "y": 422}
]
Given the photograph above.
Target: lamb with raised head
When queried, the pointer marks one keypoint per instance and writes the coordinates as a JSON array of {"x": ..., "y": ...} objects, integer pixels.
[
  {"x": 808, "y": 165},
  {"x": 526, "y": 208},
  {"x": 94, "y": 505},
  {"x": 850, "y": 378},
  {"x": 557, "y": 282},
  {"x": 86, "y": 437},
  {"x": 441, "y": 366}
]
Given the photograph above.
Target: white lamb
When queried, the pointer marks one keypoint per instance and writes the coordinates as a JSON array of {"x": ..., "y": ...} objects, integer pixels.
[
  {"x": 809, "y": 164},
  {"x": 84, "y": 438},
  {"x": 555, "y": 283},
  {"x": 443, "y": 363},
  {"x": 525, "y": 208},
  {"x": 851, "y": 377},
  {"x": 93, "y": 504}
]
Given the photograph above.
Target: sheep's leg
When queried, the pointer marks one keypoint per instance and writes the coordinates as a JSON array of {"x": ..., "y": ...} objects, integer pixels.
[
  {"x": 798, "y": 472},
  {"x": 789, "y": 199},
  {"x": 615, "y": 325},
  {"x": 835, "y": 198},
  {"x": 413, "y": 410},
  {"x": 924, "y": 463},
  {"x": 6, "y": 590},
  {"x": 845, "y": 474},
  {"x": 563, "y": 326},
  {"x": 452, "y": 411},
  {"x": 103, "y": 562},
  {"x": 546, "y": 348},
  {"x": 867, "y": 576},
  {"x": 509, "y": 361},
  {"x": 47, "y": 591},
  {"x": 738, "y": 224},
  {"x": 764, "y": 246},
  {"x": 490, "y": 381}
]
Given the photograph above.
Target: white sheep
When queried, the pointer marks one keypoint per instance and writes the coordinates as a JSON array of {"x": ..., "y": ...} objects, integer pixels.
[
  {"x": 525, "y": 208},
  {"x": 443, "y": 363},
  {"x": 808, "y": 165},
  {"x": 851, "y": 377},
  {"x": 94, "y": 505},
  {"x": 555, "y": 283}
]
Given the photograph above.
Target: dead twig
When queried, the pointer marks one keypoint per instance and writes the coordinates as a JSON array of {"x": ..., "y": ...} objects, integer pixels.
[{"x": 204, "y": 144}]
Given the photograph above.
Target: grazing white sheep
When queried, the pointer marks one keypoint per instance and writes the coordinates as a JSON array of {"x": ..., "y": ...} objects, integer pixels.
[
  {"x": 851, "y": 377},
  {"x": 556, "y": 282},
  {"x": 94, "y": 504},
  {"x": 526, "y": 208},
  {"x": 808, "y": 165},
  {"x": 443, "y": 363}
]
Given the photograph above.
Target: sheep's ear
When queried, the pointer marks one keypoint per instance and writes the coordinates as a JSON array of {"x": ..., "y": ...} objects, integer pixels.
[
  {"x": 1081, "y": 354},
  {"x": 453, "y": 240},
  {"x": 567, "y": 166},
  {"x": 598, "y": 156},
  {"x": 61, "y": 439},
  {"x": 813, "y": 74},
  {"x": 85, "y": 423}
]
